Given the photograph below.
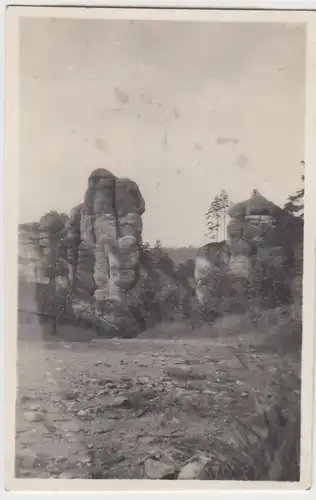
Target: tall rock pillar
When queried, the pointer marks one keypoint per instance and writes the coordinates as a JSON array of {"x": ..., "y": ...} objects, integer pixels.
[{"x": 104, "y": 237}]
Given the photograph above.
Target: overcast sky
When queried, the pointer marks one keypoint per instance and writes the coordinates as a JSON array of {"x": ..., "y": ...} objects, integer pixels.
[{"x": 184, "y": 109}]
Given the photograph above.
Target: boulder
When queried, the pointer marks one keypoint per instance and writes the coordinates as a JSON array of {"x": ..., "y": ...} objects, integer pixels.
[
  {"x": 155, "y": 469},
  {"x": 27, "y": 458},
  {"x": 195, "y": 470},
  {"x": 34, "y": 416}
]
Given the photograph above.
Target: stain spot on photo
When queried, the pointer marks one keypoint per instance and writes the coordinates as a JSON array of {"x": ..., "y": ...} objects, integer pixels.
[
  {"x": 101, "y": 144},
  {"x": 227, "y": 140},
  {"x": 198, "y": 146},
  {"x": 121, "y": 96},
  {"x": 242, "y": 161}
]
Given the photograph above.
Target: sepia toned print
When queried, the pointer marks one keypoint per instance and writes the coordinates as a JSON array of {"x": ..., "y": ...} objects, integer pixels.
[{"x": 162, "y": 213}]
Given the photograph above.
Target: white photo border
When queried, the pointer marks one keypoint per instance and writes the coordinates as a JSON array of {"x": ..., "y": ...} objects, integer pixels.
[{"x": 10, "y": 241}]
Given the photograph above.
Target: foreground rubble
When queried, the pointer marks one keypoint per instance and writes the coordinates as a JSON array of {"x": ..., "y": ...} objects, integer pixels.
[{"x": 126, "y": 409}]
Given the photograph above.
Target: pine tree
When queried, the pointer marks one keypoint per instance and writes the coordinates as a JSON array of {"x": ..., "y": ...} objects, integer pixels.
[
  {"x": 295, "y": 203},
  {"x": 216, "y": 215}
]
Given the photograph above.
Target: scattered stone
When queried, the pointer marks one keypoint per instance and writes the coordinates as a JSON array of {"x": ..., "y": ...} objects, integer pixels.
[
  {"x": 83, "y": 459},
  {"x": 26, "y": 439},
  {"x": 159, "y": 470},
  {"x": 194, "y": 375},
  {"x": 175, "y": 420},
  {"x": 148, "y": 392},
  {"x": 27, "y": 458},
  {"x": 82, "y": 413},
  {"x": 209, "y": 391},
  {"x": 35, "y": 407},
  {"x": 177, "y": 371},
  {"x": 70, "y": 438},
  {"x": 194, "y": 470},
  {"x": 25, "y": 399},
  {"x": 70, "y": 405},
  {"x": 180, "y": 392},
  {"x": 44, "y": 475},
  {"x": 51, "y": 381},
  {"x": 183, "y": 372},
  {"x": 53, "y": 469},
  {"x": 25, "y": 473},
  {"x": 60, "y": 459},
  {"x": 120, "y": 401},
  {"x": 69, "y": 396},
  {"x": 110, "y": 385},
  {"x": 146, "y": 439},
  {"x": 71, "y": 427},
  {"x": 34, "y": 416},
  {"x": 104, "y": 392},
  {"x": 154, "y": 453},
  {"x": 66, "y": 475}
]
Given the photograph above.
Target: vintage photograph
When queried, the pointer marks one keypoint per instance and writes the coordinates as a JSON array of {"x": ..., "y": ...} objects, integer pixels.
[{"x": 161, "y": 168}]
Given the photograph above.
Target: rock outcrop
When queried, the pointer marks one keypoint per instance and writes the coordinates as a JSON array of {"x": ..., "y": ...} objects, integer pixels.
[
  {"x": 38, "y": 253},
  {"x": 29, "y": 254},
  {"x": 258, "y": 259},
  {"x": 104, "y": 235},
  {"x": 211, "y": 265}
]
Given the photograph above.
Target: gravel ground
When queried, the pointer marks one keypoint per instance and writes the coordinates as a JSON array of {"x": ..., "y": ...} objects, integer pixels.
[{"x": 130, "y": 409}]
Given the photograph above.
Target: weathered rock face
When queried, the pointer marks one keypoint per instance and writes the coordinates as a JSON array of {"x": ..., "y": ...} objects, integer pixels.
[
  {"x": 50, "y": 231},
  {"x": 29, "y": 255},
  {"x": 259, "y": 254},
  {"x": 253, "y": 225},
  {"x": 211, "y": 264},
  {"x": 104, "y": 236},
  {"x": 38, "y": 247}
]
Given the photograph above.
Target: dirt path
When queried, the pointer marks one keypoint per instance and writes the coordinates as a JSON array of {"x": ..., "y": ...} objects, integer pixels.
[{"x": 102, "y": 408}]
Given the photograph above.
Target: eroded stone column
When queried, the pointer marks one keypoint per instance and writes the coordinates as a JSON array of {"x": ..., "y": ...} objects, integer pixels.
[{"x": 108, "y": 226}]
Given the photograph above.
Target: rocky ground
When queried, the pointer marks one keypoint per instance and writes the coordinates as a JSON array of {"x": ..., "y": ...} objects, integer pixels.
[{"x": 142, "y": 408}]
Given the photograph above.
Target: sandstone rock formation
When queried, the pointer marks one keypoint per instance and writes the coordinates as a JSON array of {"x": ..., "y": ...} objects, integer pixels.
[
  {"x": 103, "y": 237},
  {"x": 211, "y": 264},
  {"x": 259, "y": 254},
  {"x": 38, "y": 248},
  {"x": 50, "y": 231},
  {"x": 43, "y": 276},
  {"x": 29, "y": 254}
]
